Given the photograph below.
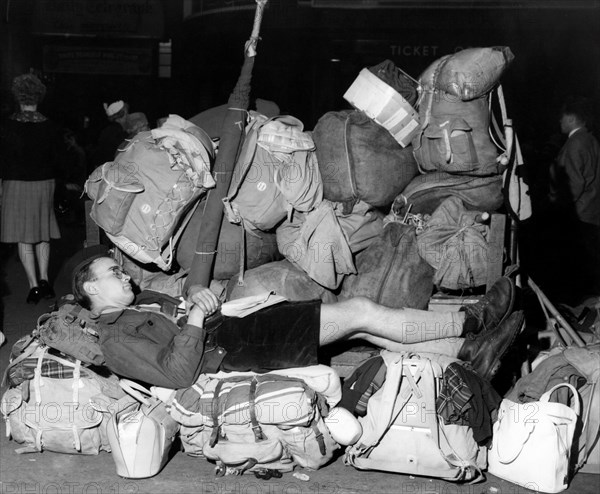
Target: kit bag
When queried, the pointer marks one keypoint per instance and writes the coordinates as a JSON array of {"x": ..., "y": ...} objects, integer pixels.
[
  {"x": 143, "y": 198},
  {"x": 454, "y": 136},
  {"x": 390, "y": 271},
  {"x": 468, "y": 74},
  {"x": 59, "y": 414},
  {"x": 276, "y": 171},
  {"x": 531, "y": 443},
  {"x": 141, "y": 432},
  {"x": 403, "y": 433},
  {"x": 360, "y": 160}
]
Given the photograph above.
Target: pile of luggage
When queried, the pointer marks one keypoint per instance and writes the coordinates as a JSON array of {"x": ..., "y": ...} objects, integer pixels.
[{"x": 382, "y": 201}]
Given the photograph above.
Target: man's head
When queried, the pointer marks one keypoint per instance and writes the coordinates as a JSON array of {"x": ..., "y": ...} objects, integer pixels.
[
  {"x": 100, "y": 284},
  {"x": 117, "y": 112},
  {"x": 576, "y": 112}
]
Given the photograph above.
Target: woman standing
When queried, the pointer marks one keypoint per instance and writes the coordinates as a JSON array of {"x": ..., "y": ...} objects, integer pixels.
[{"x": 29, "y": 148}]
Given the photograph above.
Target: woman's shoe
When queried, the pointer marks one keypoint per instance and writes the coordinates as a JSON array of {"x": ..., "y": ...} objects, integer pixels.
[
  {"x": 46, "y": 290},
  {"x": 35, "y": 295}
]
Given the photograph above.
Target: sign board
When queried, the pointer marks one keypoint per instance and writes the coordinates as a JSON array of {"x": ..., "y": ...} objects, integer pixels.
[
  {"x": 137, "y": 18},
  {"x": 98, "y": 60}
]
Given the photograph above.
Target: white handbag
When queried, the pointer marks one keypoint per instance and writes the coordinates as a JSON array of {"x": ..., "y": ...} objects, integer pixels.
[
  {"x": 531, "y": 443},
  {"x": 140, "y": 432}
]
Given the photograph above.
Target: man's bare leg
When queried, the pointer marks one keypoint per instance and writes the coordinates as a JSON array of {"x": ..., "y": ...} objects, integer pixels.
[{"x": 360, "y": 318}]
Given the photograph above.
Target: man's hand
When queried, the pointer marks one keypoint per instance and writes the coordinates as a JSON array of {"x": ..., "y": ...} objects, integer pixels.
[{"x": 203, "y": 298}]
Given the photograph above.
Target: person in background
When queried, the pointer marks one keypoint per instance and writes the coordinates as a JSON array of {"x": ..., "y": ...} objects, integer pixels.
[
  {"x": 30, "y": 146},
  {"x": 575, "y": 197},
  {"x": 72, "y": 175},
  {"x": 136, "y": 123},
  {"x": 112, "y": 136}
]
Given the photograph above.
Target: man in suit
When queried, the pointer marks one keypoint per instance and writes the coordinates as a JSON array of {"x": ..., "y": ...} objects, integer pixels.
[{"x": 575, "y": 193}]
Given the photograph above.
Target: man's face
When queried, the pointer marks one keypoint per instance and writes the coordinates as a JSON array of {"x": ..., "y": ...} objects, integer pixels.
[
  {"x": 111, "y": 284},
  {"x": 566, "y": 123}
]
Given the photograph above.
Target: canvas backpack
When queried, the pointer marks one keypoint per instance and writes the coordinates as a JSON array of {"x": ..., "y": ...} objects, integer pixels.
[
  {"x": 276, "y": 172},
  {"x": 144, "y": 197},
  {"x": 257, "y": 423},
  {"x": 59, "y": 413},
  {"x": 402, "y": 431}
]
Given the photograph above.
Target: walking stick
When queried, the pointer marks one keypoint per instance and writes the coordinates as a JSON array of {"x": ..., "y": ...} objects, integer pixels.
[
  {"x": 231, "y": 139},
  {"x": 559, "y": 318}
]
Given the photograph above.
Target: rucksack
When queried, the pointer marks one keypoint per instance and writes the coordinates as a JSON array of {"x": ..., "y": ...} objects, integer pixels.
[
  {"x": 454, "y": 136},
  {"x": 276, "y": 172},
  {"x": 143, "y": 198},
  {"x": 402, "y": 431},
  {"x": 59, "y": 414},
  {"x": 255, "y": 422}
]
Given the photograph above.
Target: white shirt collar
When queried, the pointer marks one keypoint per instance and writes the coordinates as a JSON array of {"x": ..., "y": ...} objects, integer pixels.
[{"x": 574, "y": 130}]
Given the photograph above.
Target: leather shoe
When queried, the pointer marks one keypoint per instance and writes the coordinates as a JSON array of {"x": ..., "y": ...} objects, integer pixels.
[
  {"x": 35, "y": 295},
  {"x": 46, "y": 290},
  {"x": 485, "y": 351},
  {"x": 492, "y": 309}
]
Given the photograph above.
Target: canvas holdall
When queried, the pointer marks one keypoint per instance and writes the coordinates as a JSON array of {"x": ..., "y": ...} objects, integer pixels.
[
  {"x": 401, "y": 429},
  {"x": 140, "y": 432},
  {"x": 59, "y": 413},
  {"x": 143, "y": 198},
  {"x": 531, "y": 443}
]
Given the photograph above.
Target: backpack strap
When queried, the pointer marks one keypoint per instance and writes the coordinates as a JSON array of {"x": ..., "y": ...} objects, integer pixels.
[
  {"x": 214, "y": 437},
  {"x": 256, "y": 429}
]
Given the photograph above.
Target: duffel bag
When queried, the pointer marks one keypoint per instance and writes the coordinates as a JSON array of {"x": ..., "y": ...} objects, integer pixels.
[{"x": 360, "y": 160}]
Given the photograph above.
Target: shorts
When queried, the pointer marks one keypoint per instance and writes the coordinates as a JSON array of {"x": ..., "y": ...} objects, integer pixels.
[{"x": 277, "y": 337}]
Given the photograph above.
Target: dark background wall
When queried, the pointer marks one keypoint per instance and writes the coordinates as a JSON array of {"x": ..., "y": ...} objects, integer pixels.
[{"x": 556, "y": 52}]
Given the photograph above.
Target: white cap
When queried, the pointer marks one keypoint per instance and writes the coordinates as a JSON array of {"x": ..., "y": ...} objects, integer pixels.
[{"x": 114, "y": 108}]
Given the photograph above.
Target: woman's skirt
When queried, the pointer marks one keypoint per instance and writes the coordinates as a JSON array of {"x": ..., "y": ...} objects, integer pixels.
[{"x": 28, "y": 212}]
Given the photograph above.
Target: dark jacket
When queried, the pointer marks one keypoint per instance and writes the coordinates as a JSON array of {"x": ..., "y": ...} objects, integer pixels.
[
  {"x": 576, "y": 176},
  {"x": 148, "y": 346},
  {"x": 29, "y": 151}
]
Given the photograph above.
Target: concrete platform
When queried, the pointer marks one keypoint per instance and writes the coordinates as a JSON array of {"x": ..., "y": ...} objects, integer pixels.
[{"x": 51, "y": 473}]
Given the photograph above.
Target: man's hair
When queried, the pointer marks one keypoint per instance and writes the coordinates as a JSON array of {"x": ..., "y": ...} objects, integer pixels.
[
  {"x": 82, "y": 273},
  {"x": 581, "y": 108}
]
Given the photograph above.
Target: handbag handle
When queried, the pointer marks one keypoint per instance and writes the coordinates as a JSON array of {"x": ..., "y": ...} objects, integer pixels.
[
  {"x": 136, "y": 390},
  {"x": 528, "y": 427},
  {"x": 576, "y": 404}
]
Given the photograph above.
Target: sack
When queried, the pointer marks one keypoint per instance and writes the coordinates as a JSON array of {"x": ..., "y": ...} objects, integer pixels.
[
  {"x": 72, "y": 330},
  {"x": 354, "y": 153},
  {"x": 469, "y": 73},
  {"x": 402, "y": 432},
  {"x": 454, "y": 136},
  {"x": 235, "y": 248},
  {"x": 532, "y": 442},
  {"x": 427, "y": 192},
  {"x": 276, "y": 171},
  {"x": 141, "y": 199},
  {"x": 140, "y": 432},
  {"x": 454, "y": 244},
  {"x": 391, "y": 272},
  {"x": 59, "y": 414}
]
